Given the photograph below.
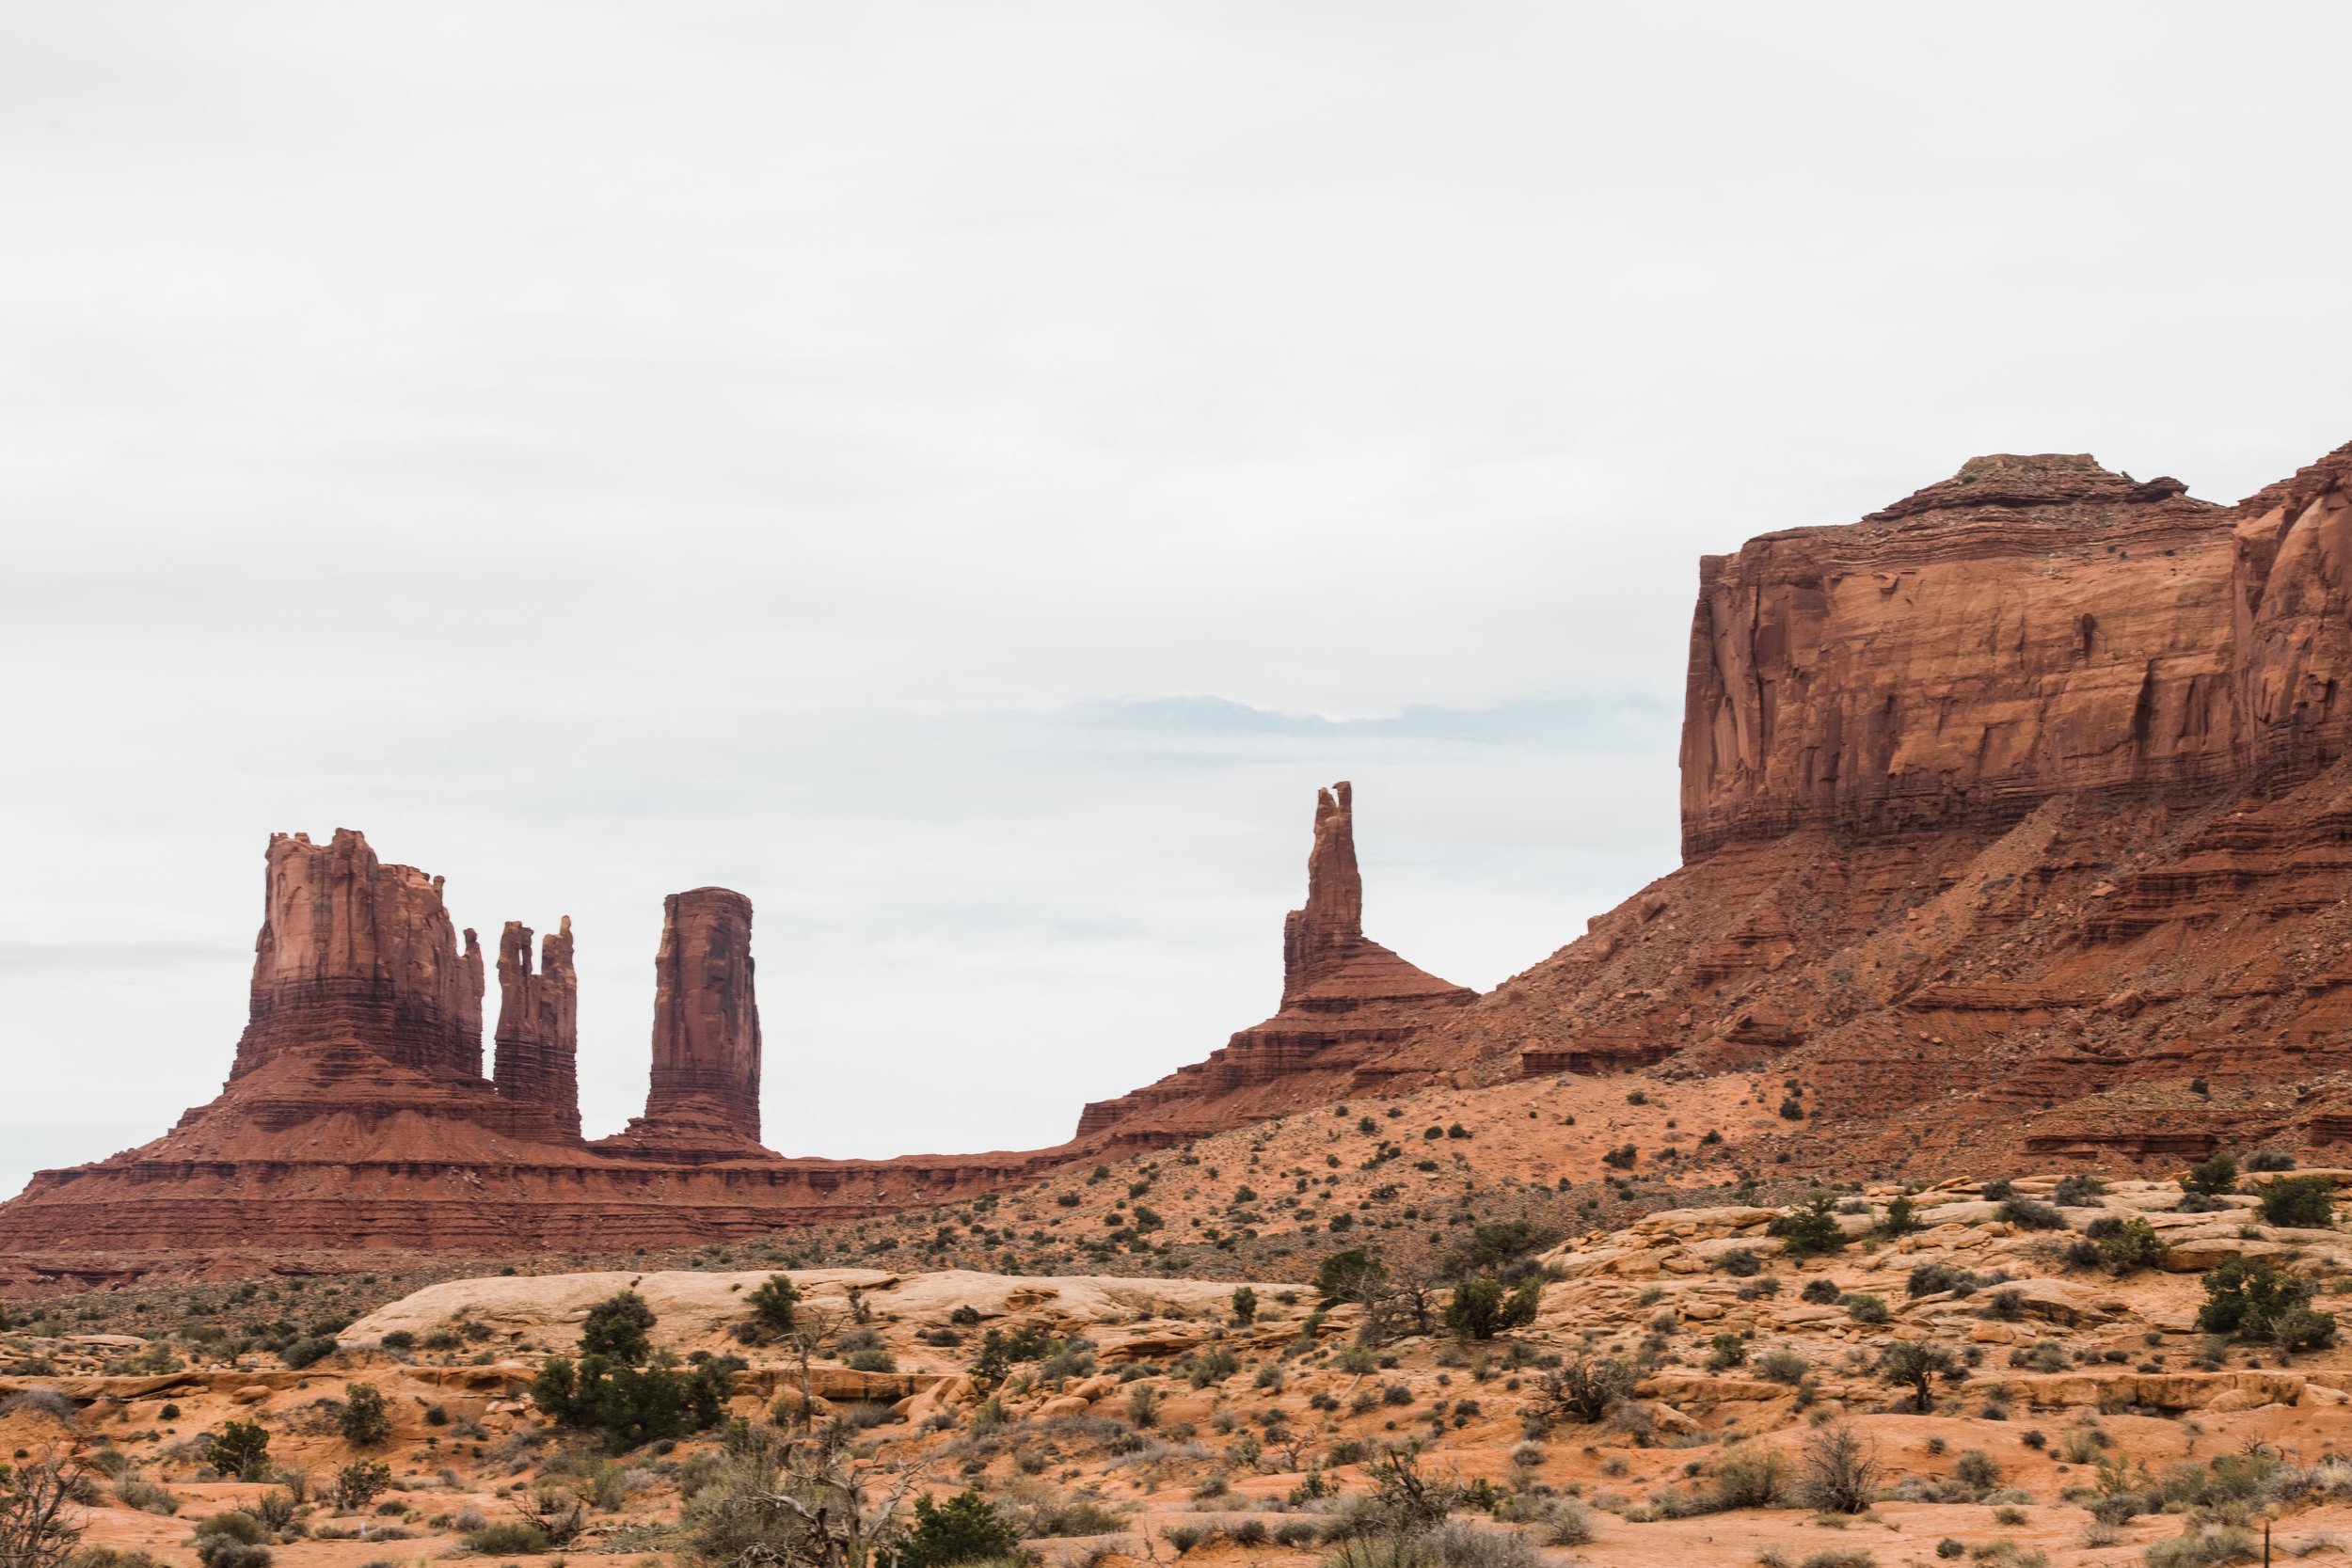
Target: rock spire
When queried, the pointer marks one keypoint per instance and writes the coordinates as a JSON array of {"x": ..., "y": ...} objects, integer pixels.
[{"x": 537, "y": 1061}]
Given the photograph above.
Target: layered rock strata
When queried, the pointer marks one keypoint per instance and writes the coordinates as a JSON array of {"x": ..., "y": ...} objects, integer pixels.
[
  {"x": 1345, "y": 999},
  {"x": 354, "y": 950},
  {"x": 2015, "y": 826}
]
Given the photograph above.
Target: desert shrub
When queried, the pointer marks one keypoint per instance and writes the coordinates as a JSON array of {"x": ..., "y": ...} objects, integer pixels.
[
  {"x": 1751, "y": 1476},
  {"x": 1811, "y": 1227},
  {"x": 1865, "y": 1309},
  {"x": 1902, "y": 1217},
  {"x": 877, "y": 1360},
  {"x": 365, "y": 1420},
  {"x": 2201, "y": 1546},
  {"x": 1837, "y": 1471},
  {"x": 232, "y": 1540},
  {"x": 1929, "y": 1279},
  {"x": 1459, "y": 1543},
  {"x": 1583, "y": 1387},
  {"x": 1570, "y": 1525},
  {"x": 1724, "y": 1351},
  {"x": 1294, "y": 1533},
  {"x": 1740, "y": 1262},
  {"x": 1183, "y": 1538},
  {"x": 1479, "y": 1308},
  {"x": 2304, "y": 1201},
  {"x": 1819, "y": 1292},
  {"x": 2131, "y": 1246},
  {"x": 146, "y": 1496},
  {"x": 965, "y": 1529},
  {"x": 2005, "y": 1306},
  {"x": 308, "y": 1352},
  {"x": 239, "y": 1449},
  {"x": 1212, "y": 1366},
  {"x": 508, "y": 1538},
  {"x": 220, "y": 1551},
  {"x": 1245, "y": 1303},
  {"x": 773, "y": 1304},
  {"x": 2212, "y": 1177},
  {"x": 623, "y": 1389},
  {"x": 2027, "y": 1214},
  {"x": 361, "y": 1483},
  {"x": 1782, "y": 1365},
  {"x": 2269, "y": 1158},
  {"x": 234, "y": 1524},
  {"x": 2077, "y": 1190},
  {"x": 1977, "y": 1470},
  {"x": 2258, "y": 1301},
  {"x": 1915, "y": 1364}
]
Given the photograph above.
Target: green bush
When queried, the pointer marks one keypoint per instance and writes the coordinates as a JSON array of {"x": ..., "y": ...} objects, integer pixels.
[
  {"x": 1810, "y": 1228},
  {"x": 365, "y": 1421},
  {"x": 1244, "y": 1305},
  {"x": 2131, "y": 1246},
  {"x": 2212, "y": 1178},
  {"x": 773, "y": 1306},
  {"x": 2258, "y": 1301},
  {"x": 2077, "y": 1190},
  {"x": 308, "y": 1352},
  {"x": 2027, "y": 1214},
  {"x": 2304, "y": 1201},
  {"x": 240, "y": 1448},
  {"x": 622, "y": 1388},
  {"x": 1479, "y": 1308},
  {"x": 965, "y": 1529}
]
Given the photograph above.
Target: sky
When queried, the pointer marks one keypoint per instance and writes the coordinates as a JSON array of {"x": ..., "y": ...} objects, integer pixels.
[{"x": 963, "y": 474}]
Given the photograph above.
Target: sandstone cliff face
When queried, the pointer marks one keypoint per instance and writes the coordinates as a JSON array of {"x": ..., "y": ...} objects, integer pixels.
[
  {"x": 2009, "y": 814},
  {"x": 1345, "y": 999},
  {"x": 355, "y": 951},
  {"x": 537, "y": 1061},
  {"x": 2032, "y": 626}
]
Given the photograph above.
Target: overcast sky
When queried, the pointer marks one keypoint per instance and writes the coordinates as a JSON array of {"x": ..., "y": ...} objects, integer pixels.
[{"x": 963, "y": 474}]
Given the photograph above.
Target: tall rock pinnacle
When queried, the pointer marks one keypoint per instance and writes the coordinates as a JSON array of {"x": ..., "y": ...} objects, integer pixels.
[
  {"x": 1323, "y": 935},
  {"x": 705, "y": 1018},
  {"x": 354, "y": 952},
  {"x": 538, "y": 1028},
  {"x": 1348, "y": 1004}
]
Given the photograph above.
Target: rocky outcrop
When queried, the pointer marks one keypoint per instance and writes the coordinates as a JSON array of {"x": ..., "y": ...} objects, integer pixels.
[
  {"x": 1345, "y": 999},
  {"x": 353, "y": 951},
  {"x": 2015, "y": 822},
  {"x": 537, "y": 1061},
  {"x": 704, "y": 1101},
  {"x": 2031, "y": 627},
  {"x": 356, "y": 1122}
]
